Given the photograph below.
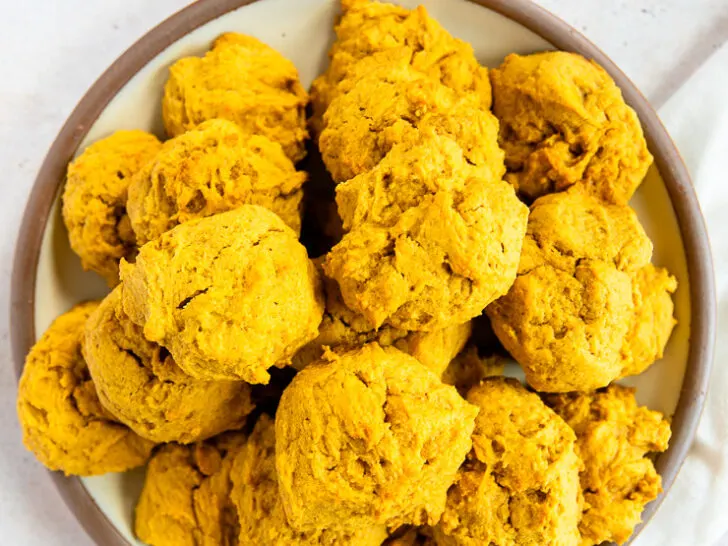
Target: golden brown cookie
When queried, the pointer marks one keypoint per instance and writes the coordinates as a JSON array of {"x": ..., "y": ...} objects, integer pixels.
[
  {"x": 186, "y": 496},
  {"x": 140, "y": 383},
  {"x": 563, "y": 123},
  {"x": 566, "y": 317},
  {"x": 390, "y": 103},
  {"x": 367, "y": 28},
  {"x": 342, "y": 329},
  {"x": 432, "y": 240},
  {"x": 94, "y": 200},
  {"x": 229, "y": 295},
  {"x": 653, "y": 320},
  {"x": 63, "y": 423},
  {"x": 242, "y": 80},
  {"x": 213, "y": 168},
  {"x": 613, "y": 437},
  {"x": 369, "y": 437},
  {"x": 520, "y": 483},
  {"x": 259, "y": 506}
]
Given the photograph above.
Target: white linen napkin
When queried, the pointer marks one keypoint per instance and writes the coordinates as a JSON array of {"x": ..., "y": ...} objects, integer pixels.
[{"x": 695, "y": 512}]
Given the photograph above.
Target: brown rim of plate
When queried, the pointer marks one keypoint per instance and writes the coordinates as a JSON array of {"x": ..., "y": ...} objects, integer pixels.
[{"x": 524, "y": 12}]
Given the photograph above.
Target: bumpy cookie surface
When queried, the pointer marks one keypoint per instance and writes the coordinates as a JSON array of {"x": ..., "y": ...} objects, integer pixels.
[
  {"x": 229, "y": 295},
  {"x": 614, "y": 435},
  {"x": 520, "y": 483},
  {"x": 568, "y": 313},
  {"x": 95, "y": 198},
  {"x": 260, "y": 509},
  {"x": 367, "y": 28},
  {"x": 213, "y": 168},
  {"x": 242, "y": 80},
  {"x": 563, "y": 123},
  {"x": 141, "y": 384},
  {"x": 63, "y": 422},
  {"x": 186, "y": 496},
  {"x": 387, "y": 102},
  {"x": 652, "y": 321},
  {"x": 369, "y": 437},
  {"x": 432, "y": 239}
]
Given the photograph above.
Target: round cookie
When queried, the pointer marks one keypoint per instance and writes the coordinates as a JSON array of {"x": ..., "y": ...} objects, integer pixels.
[
  {"x": 140, "y": 383},
  {"x": 613, "y": 437},
  {"x": 186, "y": 496},
  {"x": 242, "y": 80},
  {"x": 94, "y": 200},
  {"x": 520, "y": 483},
  {"x": 229, "y": 295},
  {"x": 342, "y": 329},
  {"x": 432, "y": 239},
  {"x": 369, "y": 437},
  {"x": 63, "y": 423},
  {"x": 260, "y": 509},
  {"x": 564, "y": 123},
  {"x": 367, "y": 28},
  {"x": 568, "y": 313},
  {"x": 387, "y": 102},
  {"x": 213, "y": 168}
]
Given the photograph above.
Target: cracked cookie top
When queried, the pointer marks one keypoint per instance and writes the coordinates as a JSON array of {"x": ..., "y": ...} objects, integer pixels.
[
  {"x": 186, "y": 496},
  {"x": 260, "y": 508},
  {"x": 368, "y": 437},
  {"x": 229, "y": 295},
  {"x": 140, "y": 383},
  {"x": 213, "y": 168},
  {"x": 367, "y": 28},
  {"x": 243, "y": 80},
  {"x": 566, "y": 317},
  {"x": 520, "y": 482},
  {"x": 387, "y": 102},
  {"x": 63, "y": 421},
  {"x": 563, "y": 122},
  {"x": 432, "y": 238}
]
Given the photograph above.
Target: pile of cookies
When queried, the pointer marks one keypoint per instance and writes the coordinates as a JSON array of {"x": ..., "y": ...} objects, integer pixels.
[{"x": 356, "y": 397}]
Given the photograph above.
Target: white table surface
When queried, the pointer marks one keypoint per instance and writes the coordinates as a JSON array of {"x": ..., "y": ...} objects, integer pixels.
[{"x": 53, "y": 50}]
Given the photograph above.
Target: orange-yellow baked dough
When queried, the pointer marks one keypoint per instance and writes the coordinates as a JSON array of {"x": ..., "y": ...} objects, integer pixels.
[
  {"x": 229, "y": 295},
  {"x": 63, "y": 423},
  {"x": 520, "y": 483},
  {"x": 186, "y": 496},
  {"x": 367, "y": 28},
  {"x": 387, "y": 102},
  {"x": 469, "y": 368},
  {"x": 260, "y": 510},
  {"x": 342, "y": 329},
  {"x": 141, "y": 384},
  {"x": 369, "y": 437},
  {"x": 613, "y": 437},
  {"x": 568, "y": 315},
  {"x": 432, "y": 238},
  {"x": 564, "y": 123},
  {"x": 95, "y": 198},
  {"x": 213, "y": 168},
  {"x": 243, "y": 80},
  {"x": 652, "y": 320}
]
